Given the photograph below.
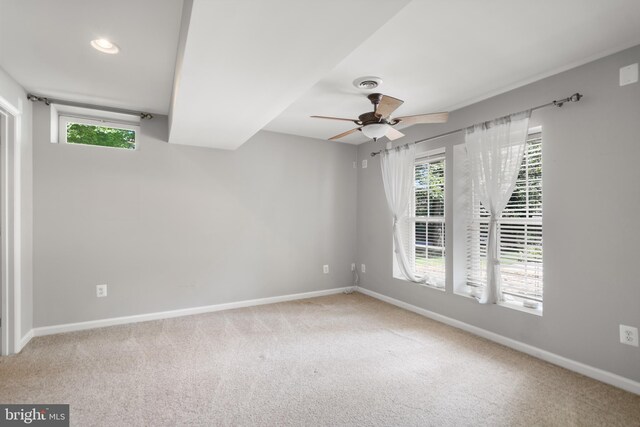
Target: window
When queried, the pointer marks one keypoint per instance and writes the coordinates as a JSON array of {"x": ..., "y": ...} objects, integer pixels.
[
  {"x": 519, "y": 234},
  {"x": 429, "y": 224},
  {"x": 76, "y": 130},
  {"x": 71, "y": 124}
]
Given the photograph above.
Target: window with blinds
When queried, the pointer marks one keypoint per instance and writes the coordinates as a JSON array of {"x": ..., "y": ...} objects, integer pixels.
[
  {"x": 429, "y": 224},
  {"x": 519, "y": 234}
]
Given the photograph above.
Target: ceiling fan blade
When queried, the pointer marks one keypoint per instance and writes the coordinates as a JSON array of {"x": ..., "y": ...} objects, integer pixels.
[
  {"x": 334, "y": 118},
  {"x": 387, "y": 105},
  {"x": 423, "y": 118},
  {"x": 349, "y": 132},
  {"x": 394, "y": 134}
]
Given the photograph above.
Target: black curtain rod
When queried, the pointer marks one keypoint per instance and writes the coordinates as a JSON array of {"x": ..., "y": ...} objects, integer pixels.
[
  {"x": 573, "y": 98},
  {"x": 49, "y": 101}
]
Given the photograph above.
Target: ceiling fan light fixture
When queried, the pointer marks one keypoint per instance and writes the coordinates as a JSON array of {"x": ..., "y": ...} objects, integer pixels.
[
  {"x": 375, "y": 130},
  {"x": 367, "y": 83}
]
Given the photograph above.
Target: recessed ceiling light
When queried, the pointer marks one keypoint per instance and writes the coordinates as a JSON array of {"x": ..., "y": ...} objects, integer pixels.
[{"x": 105, "y": 46}]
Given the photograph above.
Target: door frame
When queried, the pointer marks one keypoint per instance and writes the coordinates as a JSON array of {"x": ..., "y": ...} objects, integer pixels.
[{"x": 10, "y": 309}]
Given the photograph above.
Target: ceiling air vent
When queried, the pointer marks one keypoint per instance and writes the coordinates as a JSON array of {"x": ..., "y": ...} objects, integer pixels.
[{"x": 367, "y": 83}]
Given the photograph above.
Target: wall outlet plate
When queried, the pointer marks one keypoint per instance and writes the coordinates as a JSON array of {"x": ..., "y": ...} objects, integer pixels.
[
  {"x": 325, "y": 269},
  {"x": 101, "y": 291},
  {"x": 363, "y": 268},
  {"x": 353, "y": 266},
  {"x": 364, "y": 164},
  {"x": 629, "y": 335}
]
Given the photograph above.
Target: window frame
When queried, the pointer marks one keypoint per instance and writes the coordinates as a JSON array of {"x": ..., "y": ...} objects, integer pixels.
[
  {"x": 60, "y": 114},
  {"x": 426, "y": 157},
  {"x": 471, "y": 290}
]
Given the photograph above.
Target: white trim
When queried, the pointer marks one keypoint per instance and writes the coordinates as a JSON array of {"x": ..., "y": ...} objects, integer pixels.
[
  {"x": 431, "y": 155},
  {"x": 9, "y": 107},
  {"x": 516, "y": 305},
  {"x": 7, "y": 321},
  {"x": 15, "y": 239},
  {"x": 96, "y": 114},
  {"x": 572, "y": 365},
  {"x": 11, "y": 127},
  {"x": 24, "y": 341},
  {"x": 92, "y": 324},
  {"x": 535, "y": 129}
]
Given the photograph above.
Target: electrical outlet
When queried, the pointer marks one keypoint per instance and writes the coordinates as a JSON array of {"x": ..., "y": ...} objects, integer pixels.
[
  {"x": 363, "y": 268},
  {"x": 364, "y": 164},
  {"x": 101, "y": 291},
  {"x": 353, "y": 266},
  {"x": 629, "y": 335},
  {"x": 325, "y": 269},
  {"x": 354, "y": 165}
]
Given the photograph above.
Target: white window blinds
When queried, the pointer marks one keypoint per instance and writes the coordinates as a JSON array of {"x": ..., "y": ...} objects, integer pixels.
[
  {"x": 519, "y": 234},
  {"x": 429, "y": 224}
]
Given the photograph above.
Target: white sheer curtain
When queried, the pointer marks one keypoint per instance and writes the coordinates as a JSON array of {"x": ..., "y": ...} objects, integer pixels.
[
  {"x": 398, "y": 179},
  {"x": 495, "y": 150}
]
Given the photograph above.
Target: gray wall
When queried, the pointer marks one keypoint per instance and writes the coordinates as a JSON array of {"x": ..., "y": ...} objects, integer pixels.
[
  {"x": 170, "y": 227},
  {"x": 15, "y": 94},
  {"x": 591, "y": 231}
]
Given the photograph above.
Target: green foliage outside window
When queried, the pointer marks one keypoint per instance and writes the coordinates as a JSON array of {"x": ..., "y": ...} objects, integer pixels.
[
  {"x": 101, "y": 135},
  {"x": 429, "y": 188}
]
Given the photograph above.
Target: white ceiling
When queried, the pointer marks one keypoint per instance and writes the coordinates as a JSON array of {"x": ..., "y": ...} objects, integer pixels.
[
  {"x": 245, "y": 65},
  {"x": 444, "y": 54},
  {"x": 244, "y": 62},
  {"x": 44, "y": 45}
]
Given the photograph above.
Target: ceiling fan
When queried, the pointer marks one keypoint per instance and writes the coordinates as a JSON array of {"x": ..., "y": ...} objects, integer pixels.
[{"x": 378, "y": 123}]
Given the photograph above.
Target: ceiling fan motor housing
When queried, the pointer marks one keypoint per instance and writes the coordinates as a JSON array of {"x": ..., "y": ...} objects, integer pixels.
[{"x": 371, "y": 118}]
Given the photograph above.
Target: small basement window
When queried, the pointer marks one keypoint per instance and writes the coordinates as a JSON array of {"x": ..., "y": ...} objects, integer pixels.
[
  {"x": 98, "y": 133},
  {"x": 85, "y": 126}
]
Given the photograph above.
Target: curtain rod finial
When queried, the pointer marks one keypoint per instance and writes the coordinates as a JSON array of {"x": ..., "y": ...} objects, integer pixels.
[
  {"x": 35, "y": 98},
  {"x": 573, "y": 98}
]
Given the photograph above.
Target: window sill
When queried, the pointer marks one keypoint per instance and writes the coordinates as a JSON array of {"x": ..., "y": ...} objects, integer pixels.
[
  {"x": 514, "y": 305},
  {"x": 424, "y": 285},
  {"x": 518, "y": 306},
  {"x": 465, "y": 294}
]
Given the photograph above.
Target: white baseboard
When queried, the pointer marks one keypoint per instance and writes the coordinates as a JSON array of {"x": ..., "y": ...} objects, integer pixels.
[
  {"x": 24, "y": 341},
  {"x": 572, "y": 365},
  {"x": 81, "y": 326}
]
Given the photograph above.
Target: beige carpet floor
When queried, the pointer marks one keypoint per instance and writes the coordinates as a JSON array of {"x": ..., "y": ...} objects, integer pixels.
[{"x": 337, "y": 360}]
